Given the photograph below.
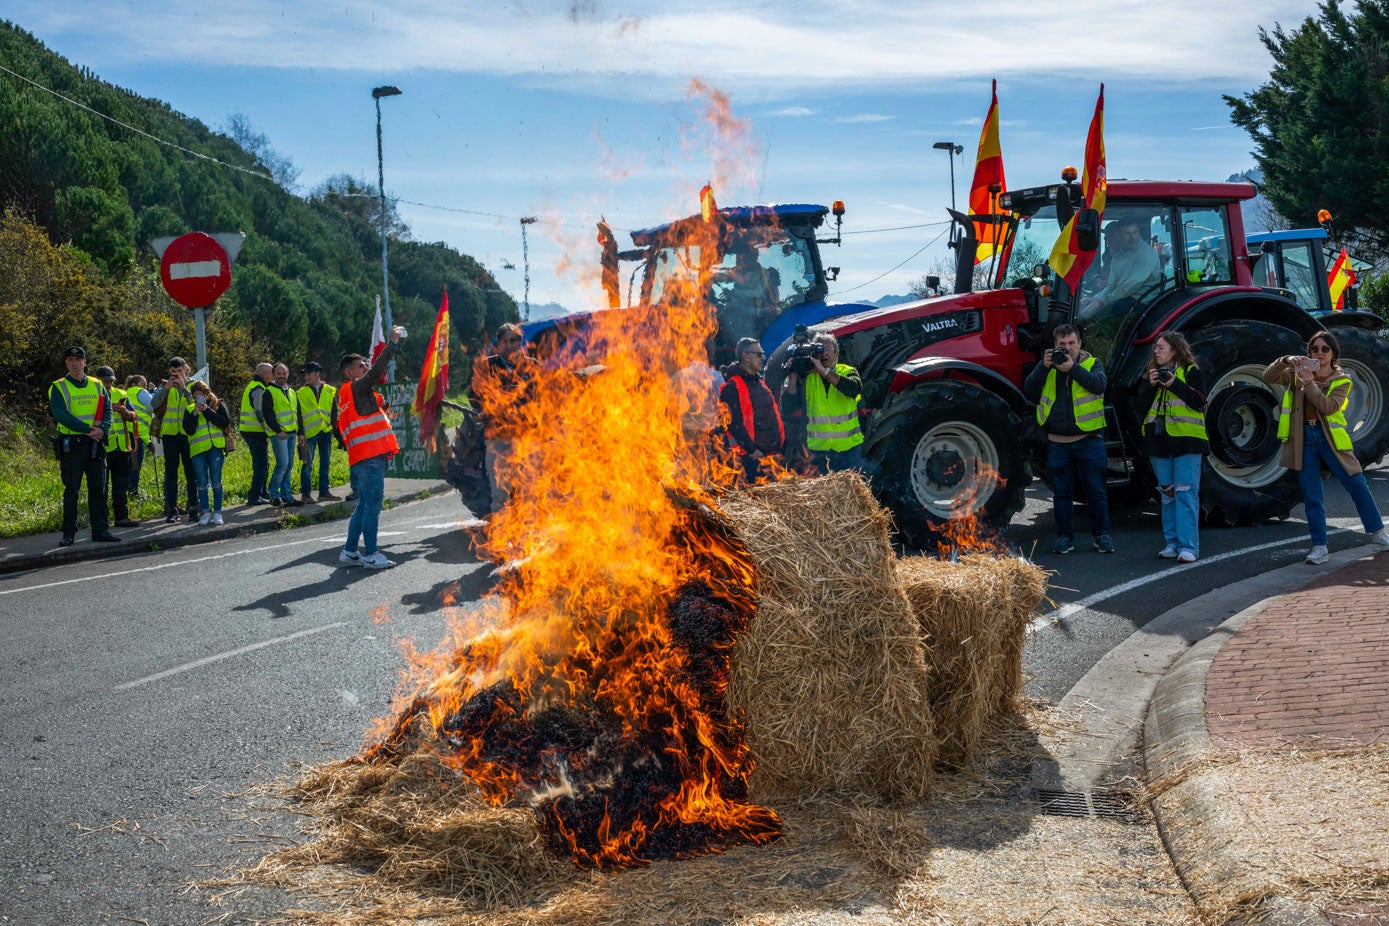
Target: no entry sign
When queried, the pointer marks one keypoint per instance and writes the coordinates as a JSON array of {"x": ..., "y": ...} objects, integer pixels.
[{"x": 195, "y": 269}]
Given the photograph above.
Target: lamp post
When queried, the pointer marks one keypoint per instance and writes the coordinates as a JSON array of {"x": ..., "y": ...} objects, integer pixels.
[
  {"x": 376, "y": 94},
  {"x": 951, "y": 149}
]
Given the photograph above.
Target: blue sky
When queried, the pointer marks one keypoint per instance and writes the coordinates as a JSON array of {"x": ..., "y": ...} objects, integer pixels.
[{"x": 569, "y": 111}]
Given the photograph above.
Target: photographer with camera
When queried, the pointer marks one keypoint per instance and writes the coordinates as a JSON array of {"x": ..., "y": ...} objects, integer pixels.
[
  {"x": 206, "y": 424},
  {"x": 1174, "y": 437},
  {"x": 754, "y": 425},
  {"x": 1068, "y": 387},
  {"x": 829, "y": 391},
  {"x": 171, "y": 401},
  {"x": 1312, "y": 426}
]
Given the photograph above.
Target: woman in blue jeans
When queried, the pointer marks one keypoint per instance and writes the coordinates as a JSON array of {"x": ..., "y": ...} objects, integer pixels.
[
  {"x": 1174, "y": 435},
  {"x": 1312, "y": 426},
  {"x": 205, "y": 425}
]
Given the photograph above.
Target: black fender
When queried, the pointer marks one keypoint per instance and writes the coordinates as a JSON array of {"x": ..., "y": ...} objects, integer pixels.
[
  {"x": 909, "y": 374},
  {"x": 1356, "y": 318}
]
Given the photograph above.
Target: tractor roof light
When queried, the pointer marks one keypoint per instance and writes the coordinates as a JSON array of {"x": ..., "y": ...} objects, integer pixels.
[
  {"x": 1069, "y": 174},
  {"x": 837, "y": 208}
]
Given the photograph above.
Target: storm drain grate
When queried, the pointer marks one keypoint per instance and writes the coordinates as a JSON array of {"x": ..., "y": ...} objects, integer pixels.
[{"x": 1112, "y": 805}]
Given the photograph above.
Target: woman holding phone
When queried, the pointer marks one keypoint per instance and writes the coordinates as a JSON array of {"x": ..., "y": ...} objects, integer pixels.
[
  {"x": 204, "y": 424},
  {"x": 1173, "y": 392},
  {"x": 1312, "y": 426}
]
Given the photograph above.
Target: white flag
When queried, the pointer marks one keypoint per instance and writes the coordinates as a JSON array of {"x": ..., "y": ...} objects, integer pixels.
[{"x": 201, "y": 374}]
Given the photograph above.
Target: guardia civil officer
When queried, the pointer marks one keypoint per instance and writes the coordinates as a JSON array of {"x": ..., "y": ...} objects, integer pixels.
[{"x": 82, "y": 410}]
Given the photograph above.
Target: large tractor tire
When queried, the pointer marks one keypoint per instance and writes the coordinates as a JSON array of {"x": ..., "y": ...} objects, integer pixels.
[
  {"x": 1242, "y": 481},
  {"x": 1365, "y": 358},
  {"x": 947, "y": 450}
]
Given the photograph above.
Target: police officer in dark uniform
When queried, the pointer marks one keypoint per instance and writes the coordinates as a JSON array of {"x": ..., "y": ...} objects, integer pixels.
[{"x": 81, "y": 406}]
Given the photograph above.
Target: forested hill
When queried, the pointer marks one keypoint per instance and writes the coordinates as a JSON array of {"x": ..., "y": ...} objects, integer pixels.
[{"x": 82, "y": 195}]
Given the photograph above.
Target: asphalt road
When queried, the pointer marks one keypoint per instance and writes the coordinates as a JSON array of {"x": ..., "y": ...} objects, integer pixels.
[{"x": 141, "y": 697}]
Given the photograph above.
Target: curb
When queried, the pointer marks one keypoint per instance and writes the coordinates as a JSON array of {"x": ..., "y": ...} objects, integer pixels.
[
  {"x": 1190, "y": 815},
  {"x": 58, "y": 556}
]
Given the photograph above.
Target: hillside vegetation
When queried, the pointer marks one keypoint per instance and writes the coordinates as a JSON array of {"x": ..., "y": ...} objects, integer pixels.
[{"x": 83, "y": 192}]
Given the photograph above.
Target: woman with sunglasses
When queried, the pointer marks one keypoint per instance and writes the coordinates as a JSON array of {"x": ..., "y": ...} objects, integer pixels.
[{"x": 1312, "y": 426}]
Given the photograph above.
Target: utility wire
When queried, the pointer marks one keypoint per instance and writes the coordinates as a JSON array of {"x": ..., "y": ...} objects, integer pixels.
[{"x": 898, "y": 267}]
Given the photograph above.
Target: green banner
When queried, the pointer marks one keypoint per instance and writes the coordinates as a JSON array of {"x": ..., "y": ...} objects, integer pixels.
[{"x": 415, "y": 460}]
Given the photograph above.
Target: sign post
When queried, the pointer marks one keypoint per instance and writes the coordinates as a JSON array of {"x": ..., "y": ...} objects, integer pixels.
[{"x": 196, "y": 269}]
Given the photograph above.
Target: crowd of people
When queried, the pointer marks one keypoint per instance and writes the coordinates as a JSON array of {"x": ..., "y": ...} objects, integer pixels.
[{"x": 106, "y": 434}]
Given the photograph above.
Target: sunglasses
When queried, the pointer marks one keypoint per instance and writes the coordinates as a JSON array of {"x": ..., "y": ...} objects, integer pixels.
[{"x": 1319, "y": 349}]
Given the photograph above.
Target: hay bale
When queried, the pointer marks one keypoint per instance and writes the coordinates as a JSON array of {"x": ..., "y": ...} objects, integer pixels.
[
  {"x": 418, "y": 823},
  {"x": 830, "y": 680},
  {"x": 973, "y": 614}
]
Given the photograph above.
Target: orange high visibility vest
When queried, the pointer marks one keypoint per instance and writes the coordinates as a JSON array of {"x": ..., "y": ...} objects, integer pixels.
[
  {"x": 365, "y": 436},
  {"x": 740, "y": 385}
]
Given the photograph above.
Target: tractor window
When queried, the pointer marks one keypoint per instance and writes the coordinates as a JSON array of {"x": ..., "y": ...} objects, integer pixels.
[
  {"x": 673, "y": 269},
  {"x": 1300, "y": 268},
  {"x": 1207, "y": 244},
  {"x": 1127, "y": 273}
]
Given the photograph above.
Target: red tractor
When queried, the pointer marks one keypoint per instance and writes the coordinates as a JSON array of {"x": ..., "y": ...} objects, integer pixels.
[{"x": 948, "y": 431}]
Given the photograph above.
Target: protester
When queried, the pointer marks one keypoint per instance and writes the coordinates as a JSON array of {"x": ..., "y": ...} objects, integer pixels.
[
  {"x": 1174, "y": 436},
  {"x": 82, "y": 409},
  {"x": 1312, "y": 426},
  {"x": 1069, "y": 391},
  {"x": 370, "y": 444},
  {"x": 251, "y": 425},
  {"x": 754, "y": 420},
  {"x": 171, "y": 401},
  {"x": 829, "y": 392},
  {"x": 120, "y": 442},
  {"x": 500, "y": 390},
  {"x": 206, "y": 424},
  {"x": 139, "y": 397},
  {"x": 279, "y": 409},
  {"x": 318, "y": 410}
]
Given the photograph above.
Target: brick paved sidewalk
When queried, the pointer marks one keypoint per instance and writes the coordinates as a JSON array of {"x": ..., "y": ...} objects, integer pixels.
[{"x": 1311, "y": 670}]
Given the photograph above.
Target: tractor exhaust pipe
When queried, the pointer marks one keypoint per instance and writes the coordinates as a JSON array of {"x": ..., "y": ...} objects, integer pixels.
[{"x": 966, "y": 250}]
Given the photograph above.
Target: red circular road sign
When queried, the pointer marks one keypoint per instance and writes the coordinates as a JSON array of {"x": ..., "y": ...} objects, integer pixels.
[{"x": 195, "y": 270}]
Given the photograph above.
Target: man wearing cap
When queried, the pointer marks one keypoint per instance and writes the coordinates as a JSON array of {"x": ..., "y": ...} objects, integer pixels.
[
  {"x": 318, "y": 414},
  {"x": 120, "y": 444},
  {"x": 251, "y": 424},
  {"x": 82, "y": 410}
]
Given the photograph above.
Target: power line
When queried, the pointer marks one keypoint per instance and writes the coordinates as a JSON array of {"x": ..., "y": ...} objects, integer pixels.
[{"x": 898, "y": 267}]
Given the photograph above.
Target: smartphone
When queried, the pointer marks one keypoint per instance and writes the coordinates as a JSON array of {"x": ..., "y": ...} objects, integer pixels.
[{"x": 200, "y": 399}]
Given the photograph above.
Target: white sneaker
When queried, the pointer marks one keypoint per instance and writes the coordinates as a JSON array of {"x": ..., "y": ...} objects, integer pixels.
[
  {"x": 1186, "y": 556},
  {"x": 1317, "y": 555},
  {"x": 1168, "y": 552},
  {"x": 377, "y": 560},
  {"x": 203, "y": 518},
  {"x": 350, "y": 558},
  {"x": 217, "y": 518},
  {"x": 1380, "y": 541}
]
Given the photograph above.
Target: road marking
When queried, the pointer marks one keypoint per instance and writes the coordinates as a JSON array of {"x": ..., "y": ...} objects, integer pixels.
[
  {"x": 208, "y": 660},
  {"x": 1071, "y": 608}
]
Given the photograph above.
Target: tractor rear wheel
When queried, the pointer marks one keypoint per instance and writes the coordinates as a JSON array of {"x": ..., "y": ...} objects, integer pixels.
[
  {"x": 1241, "y": 478},
  {"x": 947, "y": 450},
  {"x": 1365, "y": 358}
]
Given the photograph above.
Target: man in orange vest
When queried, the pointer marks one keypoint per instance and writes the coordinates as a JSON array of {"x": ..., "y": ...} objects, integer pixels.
[
  {"x": 366, "y": 434},
  {"x": 754, "y": 420}
]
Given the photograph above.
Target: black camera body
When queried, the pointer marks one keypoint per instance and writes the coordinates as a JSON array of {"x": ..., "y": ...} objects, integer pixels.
[
  {"x": 807, "y": 351},
  {"x": 798, "y": 357},
  {"x": 1164, "y": 374},
  {"x": 1059, "y": 355}
]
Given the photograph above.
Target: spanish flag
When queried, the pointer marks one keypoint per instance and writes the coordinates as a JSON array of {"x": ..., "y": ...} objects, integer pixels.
[
  {"x": 1340, "y": 279},
  {"x": 434, "y": 376},
  {"x": 707, "y": 207},
  {"x": 988, "y": 170},
  {"x": 1067, "y": 259}
]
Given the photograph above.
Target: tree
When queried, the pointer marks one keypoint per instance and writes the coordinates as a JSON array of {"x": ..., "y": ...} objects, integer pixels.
[
  {"x": 238, "y": 128},
  {"x": 1320, "y": 124}
]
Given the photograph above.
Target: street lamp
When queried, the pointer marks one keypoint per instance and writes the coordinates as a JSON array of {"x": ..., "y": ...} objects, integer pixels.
[
  {"x": 377, "y": 94},
  {"x": 951, "y": 149}
]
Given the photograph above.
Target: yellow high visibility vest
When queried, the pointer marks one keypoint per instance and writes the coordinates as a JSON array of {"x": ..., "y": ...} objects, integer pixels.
[
  {"x": 143, "y": 418},
  {"x": 831, "y": 417},
  {"x": 317, "y": 411},
  {"x": 204, "y": 437},
  {"x": 1089, "y": 408},
  {"x": 121, "y": 435},
  {"x": 286, "y": 408},
  {"x": 81, "y": 402},
  {"x": 1340, "y": 436},
  {"x": 250, "y": 421},
  {"x": 1181, "y": 419},
  {"x": 176, "y": 404}
]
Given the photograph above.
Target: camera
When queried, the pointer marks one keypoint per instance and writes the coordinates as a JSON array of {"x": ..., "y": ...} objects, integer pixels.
[
  {"x": 801, "y": 351},
  {"x": 1164, "y": 374},
  {"x": 807, "y": 351},
  {"x": 1059, "y": 355}
]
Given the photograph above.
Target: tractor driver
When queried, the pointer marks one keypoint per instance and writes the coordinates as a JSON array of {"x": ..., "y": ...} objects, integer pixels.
[{"x": 1130, "y": 267}]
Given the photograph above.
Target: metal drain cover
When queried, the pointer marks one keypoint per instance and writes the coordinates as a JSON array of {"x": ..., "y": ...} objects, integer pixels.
[{"x": 1112, "y": 805}]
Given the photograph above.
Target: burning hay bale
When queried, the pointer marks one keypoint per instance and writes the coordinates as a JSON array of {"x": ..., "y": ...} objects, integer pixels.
[
  {"x": 973, "y": 615},
  {"x": 830, "y": 679}
]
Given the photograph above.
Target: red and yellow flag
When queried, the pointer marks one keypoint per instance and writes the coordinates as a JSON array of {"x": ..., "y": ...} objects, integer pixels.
[
  {"x": 434, "y": 376},
  {"x": 707, "y": 207},
  {"x": 988, "y": 170},
  {"x": 1067, "y": 259},
  {"x": 1340, "y": 279}
]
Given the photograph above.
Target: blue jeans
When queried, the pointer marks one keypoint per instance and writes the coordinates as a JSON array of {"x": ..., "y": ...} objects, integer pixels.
[
  {"x": 322, "y": 446},
  {"x": 1087, "y": 461},
  {"x": 207, "y": 469},
  {"x": 1315, "y": 452},
  {"x": 137, "y": 461},
  {"x": 832, "y": 461},
  {"x": 1179, "y": 487},
  {"x": 369, "y": 482},
  {"x": 283, "y": 448}
]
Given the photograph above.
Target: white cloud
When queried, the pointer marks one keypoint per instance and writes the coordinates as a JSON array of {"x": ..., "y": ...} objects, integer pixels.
[
  {"x": 864, "y": 117},
  {"x": 793, "y": 111}
]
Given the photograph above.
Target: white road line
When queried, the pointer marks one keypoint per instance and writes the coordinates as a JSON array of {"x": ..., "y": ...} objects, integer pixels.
[
  {"x": 186, "y": 667},
  {"x": 1089, "y": 601}
]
